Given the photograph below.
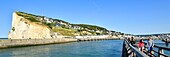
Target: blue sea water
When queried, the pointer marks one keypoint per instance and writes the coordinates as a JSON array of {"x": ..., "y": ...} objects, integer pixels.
[
  {"x": 162, "y": 44},
  {"x": 105, "y": 48},
  {"x": 3, "y": 38}
]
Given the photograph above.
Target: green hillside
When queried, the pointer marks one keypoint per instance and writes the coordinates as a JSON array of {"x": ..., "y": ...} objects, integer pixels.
[{"x": 65, "y": 28}]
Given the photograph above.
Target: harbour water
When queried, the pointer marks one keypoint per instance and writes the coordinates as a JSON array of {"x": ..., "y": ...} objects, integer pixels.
[
  {"x": 162, "y": 44},
  {"x": 105, "y": 48}
]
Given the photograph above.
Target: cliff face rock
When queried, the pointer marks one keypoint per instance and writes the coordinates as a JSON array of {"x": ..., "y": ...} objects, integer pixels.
[{"x": 25, "y": 29}]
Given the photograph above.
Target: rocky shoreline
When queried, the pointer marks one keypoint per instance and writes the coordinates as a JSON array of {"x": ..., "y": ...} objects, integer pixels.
[{"x": 10, "y": 43}]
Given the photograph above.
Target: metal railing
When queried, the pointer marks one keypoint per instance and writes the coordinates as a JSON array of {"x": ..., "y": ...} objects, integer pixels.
[
  {"x": 130, "y": 51},
  {"x": 160, "y": 51}
]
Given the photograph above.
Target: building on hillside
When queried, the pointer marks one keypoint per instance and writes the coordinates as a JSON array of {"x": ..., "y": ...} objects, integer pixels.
[
  {"x": 58, "y": 25},
  {"x": 69, "y": 26},
  {"x": 76, "y": 27},
  {"x": 62, "y": 23},
  {"x": 86, "y": 28},
  {"x": 109, "y": 32},
  {"x": 39, "y": 18},
  {"x": 92, "y": 30},
  {"x": 99, "y": 31},
  {"x": 48, "y": 20}
]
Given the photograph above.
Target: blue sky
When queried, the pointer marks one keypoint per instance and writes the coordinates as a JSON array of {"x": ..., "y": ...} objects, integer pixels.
[{"x": 128, "y": 16}]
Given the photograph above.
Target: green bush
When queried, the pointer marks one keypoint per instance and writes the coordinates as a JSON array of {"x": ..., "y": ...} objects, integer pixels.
[
  {"x": 13, "y": 29},
  {"x": 64, "y": 32},
  {"x": 64, "y": 29},
  {"x": 30, "y": 17}
]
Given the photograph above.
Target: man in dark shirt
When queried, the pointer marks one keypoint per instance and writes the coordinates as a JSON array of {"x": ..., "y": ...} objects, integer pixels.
[{"x": 132, "y": 41}]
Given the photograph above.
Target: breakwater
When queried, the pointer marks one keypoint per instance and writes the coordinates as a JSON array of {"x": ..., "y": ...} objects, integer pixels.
[
  {"x": 8, "y": 43},
  {"x": 32, "y": 42}
]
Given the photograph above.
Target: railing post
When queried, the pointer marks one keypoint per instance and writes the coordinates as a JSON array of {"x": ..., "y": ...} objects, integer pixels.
[
  {"x": 124, "y": 50},
  {"x": 160, "y": 51}
]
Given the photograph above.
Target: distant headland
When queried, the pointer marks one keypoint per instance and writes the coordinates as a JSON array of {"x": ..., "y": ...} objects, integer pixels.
[{"x": 30, "y": 26}]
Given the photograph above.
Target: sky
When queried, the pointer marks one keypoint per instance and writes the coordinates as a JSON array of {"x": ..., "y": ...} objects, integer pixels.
[{"x": 127, "y": 16}]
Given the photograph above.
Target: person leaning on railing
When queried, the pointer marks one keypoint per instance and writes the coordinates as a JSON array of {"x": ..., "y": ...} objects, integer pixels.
[
  {"x": 132, "y": 41},
  {"x": 150, "y": 45},
  {"x": 141, "y": 45}
]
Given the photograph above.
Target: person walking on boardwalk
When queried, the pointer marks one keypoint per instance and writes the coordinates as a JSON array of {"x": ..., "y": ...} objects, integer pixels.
[
  {"x": 132, "y": 41},
  {"x": 150, "y": 45},
  {"x": 141, "y": 45},
  {"x": 166, "y": 42}
]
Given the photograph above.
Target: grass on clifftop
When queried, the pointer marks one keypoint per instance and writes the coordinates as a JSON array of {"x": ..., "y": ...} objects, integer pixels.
[
  {"x": 30, "y": 17},
  {"x": 64, "y": 32},
  {"x": 59, "y": 30},
  {"x": 64, "y": 28}
]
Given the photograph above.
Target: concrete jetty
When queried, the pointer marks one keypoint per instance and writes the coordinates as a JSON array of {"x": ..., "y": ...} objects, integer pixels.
[
  {"x": 9, "y": 43},
  {"x": 32, "y": 42}
]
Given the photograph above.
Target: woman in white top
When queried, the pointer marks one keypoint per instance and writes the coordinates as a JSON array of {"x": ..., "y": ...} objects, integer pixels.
[{"x": 150, "y": 45}]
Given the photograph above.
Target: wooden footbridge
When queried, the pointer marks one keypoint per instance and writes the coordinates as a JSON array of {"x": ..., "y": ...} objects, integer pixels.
[{"x": 132, "y": 51}]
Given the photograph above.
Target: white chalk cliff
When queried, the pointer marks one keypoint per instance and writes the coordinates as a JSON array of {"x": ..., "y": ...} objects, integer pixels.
[{"x": 25, "y": 29}]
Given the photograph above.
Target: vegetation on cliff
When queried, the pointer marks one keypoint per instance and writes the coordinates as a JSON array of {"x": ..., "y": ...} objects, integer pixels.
[
  {"x": 63, "y": 31},
  {"x": 30, "y": 17},
  {"x": 63, "y": 27}
]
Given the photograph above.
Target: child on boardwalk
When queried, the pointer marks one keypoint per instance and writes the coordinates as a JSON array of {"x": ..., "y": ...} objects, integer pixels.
[{"x": 141, "y": 45}]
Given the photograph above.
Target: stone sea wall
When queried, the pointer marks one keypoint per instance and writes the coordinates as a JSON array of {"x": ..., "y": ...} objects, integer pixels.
[
  {"x": 8, "y": 43},
  {"x": 31, "y": 42}
]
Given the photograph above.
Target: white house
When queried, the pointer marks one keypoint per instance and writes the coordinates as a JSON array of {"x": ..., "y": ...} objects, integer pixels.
[
  {"x": 58, "y": 25},
  {"x": 76, "y": 27},
  {"x": 48, "y": 20},
  {"x": 98, "y": 31},
  {"x": 39, "y": 18},
  {"x": 69, "y": 26}
]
